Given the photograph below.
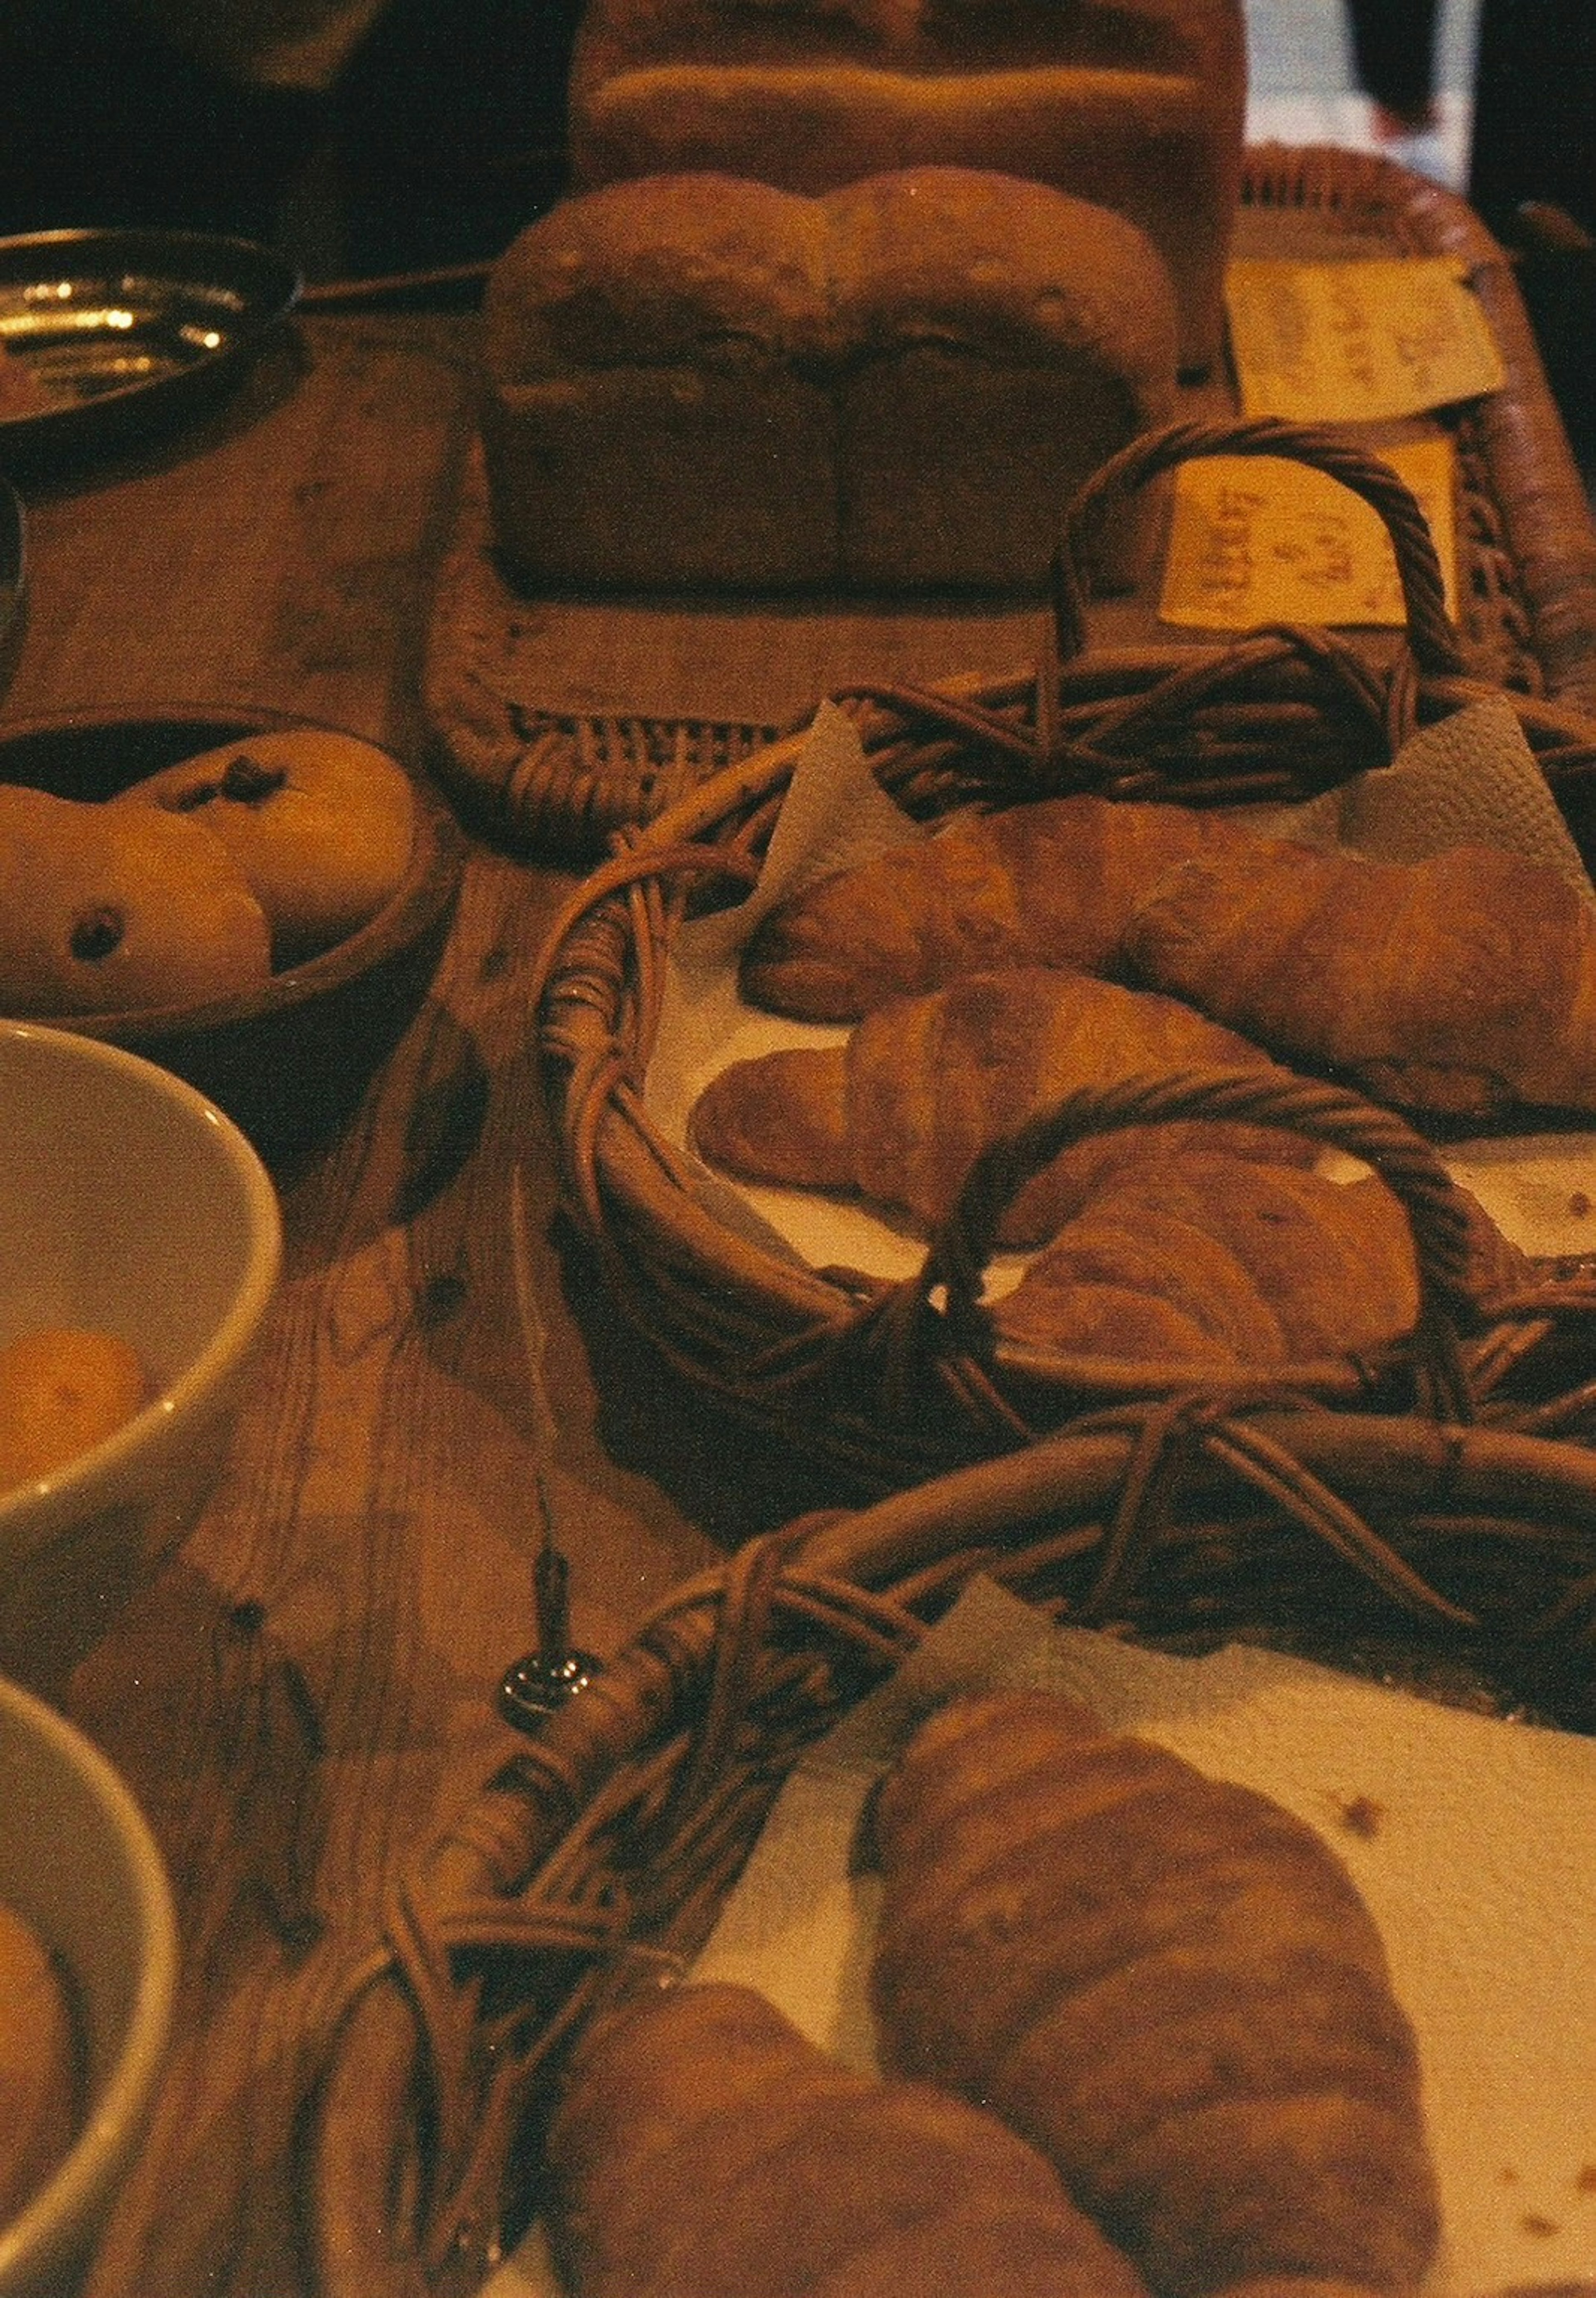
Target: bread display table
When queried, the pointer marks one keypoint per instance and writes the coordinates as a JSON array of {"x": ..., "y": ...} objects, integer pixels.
[
  {"x": 304, "y": 1700},
  {"x": 561, "y": 718}
]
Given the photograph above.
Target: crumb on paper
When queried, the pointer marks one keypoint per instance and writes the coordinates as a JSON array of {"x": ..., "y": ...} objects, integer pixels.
[{"x": 1362, "y": 1816}]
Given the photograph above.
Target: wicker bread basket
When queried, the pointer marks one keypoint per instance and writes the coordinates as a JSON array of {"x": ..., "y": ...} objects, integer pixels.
[
  {"x": 1461, "y": 1559},
  {"x": 895, "y": 1381}
]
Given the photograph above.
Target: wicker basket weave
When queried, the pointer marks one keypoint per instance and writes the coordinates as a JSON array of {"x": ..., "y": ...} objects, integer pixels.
[
  {"x": 897, "y": 1381},
  {"x": 604, "y": 1850}
]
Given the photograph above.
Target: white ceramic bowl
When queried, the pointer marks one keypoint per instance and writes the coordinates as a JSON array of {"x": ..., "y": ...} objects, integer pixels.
[
  {"x": 127, "y": 1202},
  {"x": 77, "y": 1860}
]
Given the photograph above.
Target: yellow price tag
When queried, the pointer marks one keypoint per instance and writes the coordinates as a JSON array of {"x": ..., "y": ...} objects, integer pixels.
[
  {"x": 1262, "y": 539},
  {"x": 1361, "y": 341}
]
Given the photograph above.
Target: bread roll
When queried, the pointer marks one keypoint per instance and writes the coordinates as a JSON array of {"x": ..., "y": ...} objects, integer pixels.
[
  {"x": 1221, "y": 1260},
  {"x": 104, "y": 908},
  {"x": 1140, "y": 108},
  {"x": 703, "y": 2148},
  {"x": 1052, "y": 882},
  {"x": 1166, "y": 1982},
  {"x": 900, "y": 1112},
  {"x": 40, "y": 2081},
  {"x": 702, "y": 381},
  {"x": 320, "y": 823},
  {"x": 1463, "y": 986}
]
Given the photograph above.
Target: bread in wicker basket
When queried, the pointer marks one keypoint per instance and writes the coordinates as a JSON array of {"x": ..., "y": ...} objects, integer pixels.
[
  {"x": 890, "y": 1383},
  {"x": 599, "y": 1855}
]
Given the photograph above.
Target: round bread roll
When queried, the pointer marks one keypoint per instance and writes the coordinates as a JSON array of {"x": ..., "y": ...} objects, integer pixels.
[
  {"x": 39, "y": 2077},
  {"x": 321, "y": 824},
  {"x": 63, "y": 1389},
  {"x": 105, "y": 908}
]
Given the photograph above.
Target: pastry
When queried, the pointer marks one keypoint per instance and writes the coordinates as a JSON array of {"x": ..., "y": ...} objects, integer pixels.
[
  {"x": 703, "y": 2148},
  {"x": 1166, "y": 1983},
  {"x": 105, "y": 907},
  {"x": 704, "y": 380},
  {"x": 899, "y": 1113},
  {"x": 321, "y": 825},
  {"x": 1054, "y": 883},
  {"x": 1461, "y": 987},
  {"x": 1140, "y": 108},
  {"x": 1223, "y": 1261}
]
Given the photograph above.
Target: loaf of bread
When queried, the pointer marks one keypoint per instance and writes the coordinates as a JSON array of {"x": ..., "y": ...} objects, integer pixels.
[
  {"x": 899, "y": 1113},
  {"x": 1054, "y": 883},
  {"x": 1168, "y": 1984},
  {"x": 1461, "y": 987},
  {"x": 1140, "y": 108},
  {"x": 703, "y": 2148},
  {"x": 1221, "y": 1261},
  {"x": 702, "y": 381}
]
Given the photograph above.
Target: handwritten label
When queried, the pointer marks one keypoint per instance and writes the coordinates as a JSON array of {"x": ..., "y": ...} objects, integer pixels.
[
  {"x": 1358, "y": 342},
  {"x": 1261, "y": 538}
]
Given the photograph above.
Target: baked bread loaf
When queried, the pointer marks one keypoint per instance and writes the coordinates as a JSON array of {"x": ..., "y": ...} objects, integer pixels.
[
  {"x": 1461, "y": 987},
  {"x": 104, "y": 908},
  {"x": 1221, "y": 1261},
  {"x": 1140, "y": 108},
  {"x": 1054, "y": 883},
  {"x": 1167, "y": 1983},
  {"x": 321, "y": 825},
  {"x": 702, "y": 381},
  {"x": 899, "y": 1113},
  {"x": 703, "y": 2148}
]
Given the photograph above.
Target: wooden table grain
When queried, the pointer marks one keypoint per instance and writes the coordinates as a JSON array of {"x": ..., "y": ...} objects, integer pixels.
[{"x": 307, "y": 1687}]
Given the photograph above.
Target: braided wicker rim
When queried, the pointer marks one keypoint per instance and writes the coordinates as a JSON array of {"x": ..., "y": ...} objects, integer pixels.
[
  {"x": 874, "y": 1377},
  {"x": 599, "y": 1855}
]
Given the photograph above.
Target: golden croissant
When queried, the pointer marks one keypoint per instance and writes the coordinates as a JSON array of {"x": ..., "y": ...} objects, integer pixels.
[
  {"x": 1054, "y": 883},
  {"x": 899, "y": 1113},
  {"x": 1463, "y": 986},
  {"x": 1222, "y": 1260},
  {"x": 1167, "y": 1984},
  {"x": 704, "y": 2148}
]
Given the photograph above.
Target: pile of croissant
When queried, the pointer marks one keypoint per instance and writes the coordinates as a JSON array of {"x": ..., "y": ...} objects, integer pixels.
[
  {"x": 1139, "y": 2040},
  {"x": 1013, "y": 958}
]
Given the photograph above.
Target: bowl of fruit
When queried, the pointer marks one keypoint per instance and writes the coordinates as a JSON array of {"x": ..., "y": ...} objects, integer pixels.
[
  {"x": 88, "y": 1962},
  {"x": 140, "y": 1248}
]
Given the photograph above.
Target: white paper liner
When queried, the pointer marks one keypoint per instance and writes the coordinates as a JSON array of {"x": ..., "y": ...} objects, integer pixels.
[{"x": 1472, "y": 1841}]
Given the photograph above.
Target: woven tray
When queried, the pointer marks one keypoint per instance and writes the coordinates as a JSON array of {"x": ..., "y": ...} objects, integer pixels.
[
  {"x": 607, "y": 1847},
  {"x": 558, "y": 720},
  {"x": 892, "y": 1381}
]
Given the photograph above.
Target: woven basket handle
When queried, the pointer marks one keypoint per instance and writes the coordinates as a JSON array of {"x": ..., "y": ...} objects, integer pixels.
[
  {"x": 1438, "y": 1215},
  {"x": 1431, "y": 635}
]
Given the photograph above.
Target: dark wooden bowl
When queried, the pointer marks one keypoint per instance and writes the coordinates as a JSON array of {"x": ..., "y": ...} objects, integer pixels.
[{"x": 288, "y": 1061}]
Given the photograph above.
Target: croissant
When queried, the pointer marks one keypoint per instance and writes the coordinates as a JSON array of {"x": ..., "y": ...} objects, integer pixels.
[
  {"x": 703, "y": 2148},
  {"x": 1055, "y": 883},
  {"x": 899, "y": 1113},
  {"x": 1167, "y": 1984},
  {"x": 1463, "y": 986},
  {"x": 1223, "y": 1261}
]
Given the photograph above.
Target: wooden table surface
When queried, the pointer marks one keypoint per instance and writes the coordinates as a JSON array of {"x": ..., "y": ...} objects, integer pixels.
[
  {"x": 309, "y": 1687},
  {"x": 307, "y": 1692}
]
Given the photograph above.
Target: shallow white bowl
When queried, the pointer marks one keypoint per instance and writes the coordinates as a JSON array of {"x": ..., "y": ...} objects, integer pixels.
[
  {"x": 127, "y": 1200},
  {"x": 77, "y": 1860}
]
